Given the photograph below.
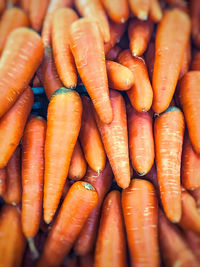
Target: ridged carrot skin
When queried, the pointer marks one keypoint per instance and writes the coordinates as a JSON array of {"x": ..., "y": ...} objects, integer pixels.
[
  {"x": 90, "y": 63},
  {"x": 111, "y": 245},
  {"x": 90, "y": 138},
  {"x": 65, "y": 65},
  {"x": 195, "y": 14},
  {"x": 12, "y": 125},
  {"x": 141, "y": 93},
  {"x": 186, "y": 61},
  {"x": 195, "y": 64},
  {"x": 140, "y": 8},
  {"x": 115, "y": 140},
  {"x": 61, "y": 136},
  {"x": 12, "y": 241},
  {"x": 168, "y": 137},
  {"x": 3, "y": 178},
  {"x": 113, "y": 53},
  {"x": 196, "y": 194},
  {"x": 193, "y": 240},
  {"x": 189, "y": 96},
  {"x": 149, "y": 58},
  {"x": 37, "y": 12},
  {"x": 139, "y": 33},
  {"x": 140, "y": 210},
  {"x": 77, "y": 206},
  {"x": 87, "y": 237},
  {"x": 171, "y": 42},
  {"x": 25, "y": 4},
  {"x": 155, "y": 11}
]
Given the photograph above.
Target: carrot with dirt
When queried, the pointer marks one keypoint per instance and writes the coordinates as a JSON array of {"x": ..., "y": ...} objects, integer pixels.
[
  {"x": 155, "y": 11},
  {"x": 90, "y": 63},
  {"x": 195, "y": 64},
  {"x": 140, "y": 8},
  {"x": 37, "y": 11},
  {"x": 113, "y": 53},
  {"x": 196, "y": 194},
  {"x": 3, "y": 177}
]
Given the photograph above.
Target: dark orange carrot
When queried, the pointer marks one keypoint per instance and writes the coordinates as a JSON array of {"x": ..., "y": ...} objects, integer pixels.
[
  {"x": 77, "y": 206},
  {"x": 140, "y": 210},
  {"x": 86, "y": 260},
  {"x": 195, "y": 64},
  {"x": 87, "y": 237},
  {"x": 195, "y": 15},
  {"x": 37, "y": 11},
  {"x": 12, "y": 125},
  {"x": 113, "y": 53},
  {"x": 140, "y": 8},
  {"x": 193, "y": 240},
  {"x": 168, "y": 136},
  {"x": 12, "y": 241},
  {"x": 155, "y": 11},
  {"x": 115, "y": 140},
  {"x": 90, "y": 62},
  {"x": 61, "y": 137},
  {"x": 25, "y": 4},
  {"x": 149, "y": 58},
  {"x": 3, "y": 178},
  {"x": 196, "y": 194},
  {"x": 139, "y": 33},
  {"x": 141, "y": 94},
  {"x": 171, "y": 42}
]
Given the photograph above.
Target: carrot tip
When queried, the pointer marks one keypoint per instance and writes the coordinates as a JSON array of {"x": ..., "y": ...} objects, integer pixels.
[
  {"x": 142, "y": 16},
  {"x": 88, "y": 186}
]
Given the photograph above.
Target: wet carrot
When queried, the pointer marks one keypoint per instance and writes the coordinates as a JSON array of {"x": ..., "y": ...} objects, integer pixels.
[
  {"x": 195, "y": 64},
  {"x": 113, "y": 53},
  {"x": 140, "y": 8},
  {"x": 193, "y": 240},
  {"x": 196, "y": 194},
  {"x": 3, "y": 178},
  {"x": 37, "y": 11},
  {"x": 155, "y": 11},
  {"x": 149, "y": 58}
]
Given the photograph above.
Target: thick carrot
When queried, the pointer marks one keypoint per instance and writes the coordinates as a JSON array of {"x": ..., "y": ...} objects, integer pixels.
[
  {"x": 87, "y": 237},
  {"x": 141, "y": 94},
  {"x": 3, "y": 178},
  {"x": 195, "y": 64},
  {"x": 196, "y": 194},
  {"x": 12, "y": 241},
  {"x": 171, "y": 41},
  {"x": 193, "y": 240},
  {"x": 155, "y": 11},
  {"x": 61, "y": 137},
  {"x": 115, "y": 140},
  {"x": 90, "y": 62},
  {"x": 62, "y": 20},
  {"x": 186, "y": 61},
  {"x": 140, "y": 210},
  {"x": 139, "y": 33},
  {"x": 86, "y": 260},
  {"x": 12, "y": 125},
  {"x": 140, "y": 8},
  {"x": 113, "y": 53},
  {"x": 149, "y": 58},
  {"x": 195, "y": 16},
  {"x": 37, "y": 12},
  {"x": 77, "y": 206},
  {"x": 168, "y": 136},
  {"x": 25, "y": 4}
]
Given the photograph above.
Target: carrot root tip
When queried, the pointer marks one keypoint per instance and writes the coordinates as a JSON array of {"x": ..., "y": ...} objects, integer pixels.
[{"x": 142, "y": 16}]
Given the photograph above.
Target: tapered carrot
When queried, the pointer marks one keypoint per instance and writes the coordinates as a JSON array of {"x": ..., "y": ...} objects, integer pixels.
[
  {"x": 195, "y": 64},
  {"x": 87, "y": 237},
  {"x": 25, "y": 4},
  {"x": 115, "y": 140},
  {"x": 37, "y": 12},
  {"x": 168, "y": 136},
  {"x": 140, "y": 210},
  {"x": 90, "y": 62},
  {"x": 171, "y": 42},
  {"x": 90, "y": 138},
  {"x": 140, "y": 8},
  {"x": 155, "y": 11},
  {"x": 86, "y": 260},
  {"x": 196, "y": 194},
  {"x": 12, "y": 241},
  {"x": 2, "y": 181},
  {"x": 77, "y": 206},
  {"x": 141, "y": 94},
  {"x": 12, "y": 125},
  {"x": 139, "y": 33},
  {"x": 149, "y": 58},
  {"x": 193, "y": 240},
  {"x": 113, "y": 53},
  {"x": 195, "y": 15},
  {"x": 61, "y": 137},
  {"x": 186, "y": 61}
]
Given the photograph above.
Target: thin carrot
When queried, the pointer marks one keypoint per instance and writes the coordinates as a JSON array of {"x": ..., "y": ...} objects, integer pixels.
[
  {"x": 12, "y": 125},
  {"x": 155, "y": 11},
  {"x": 3, "y": 178},
  {"x": 140, "y": 8},
  {"x": 77, "y": 206},
  {"x": 186, "y": 61},
  {"x": 193, "y": 240},
  {"x": 195, "y": 64},
  {"x": 149, "y": 58},
  {"x": 61, "y": 137},
  {"x": 25, "y": 4},
  {"x": 196, "y": 194},
  {"x": 140, "y": 210},
  {"x": 171, "y": 41},
  {"x": 37, "y": 12},
  {"x": 168, "y": 136},
  {"x": 113, "y": 53},
  {"x": 90, "y": 62},
  {"x": 86, "y": 260},
  {"x": 195, "y": 15}
]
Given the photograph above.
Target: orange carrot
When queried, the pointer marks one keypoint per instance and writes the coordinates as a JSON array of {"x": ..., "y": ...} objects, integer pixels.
[
  {"x": 140, "y": 209},
  {"x": 90, "y": 62},
  {"x": 195, "y": 65},
  {"x": 196, "y": 194},
  {"x": 87, "y": 237},
  {"x": 193, "y": 240},
  {"x": 155, "y": 11},
  {"x": 25, "y": 4},
  {"x": 61, "y": 137},
  {"x": 115, "y": 140},
  {"x": 149, "y": 58},
  {"x": 186, "y": 61},
  {"x": 3, "y": 178},
  {"x": 12, "y": 125},
  {"x": 171, "y": 42},
  {"x": 168, "y": 136},
  {"x": 113, "y": 53},
  {"x": 140, "y": 8},
  {"x": 37, "y": 12},
  {"x": 77, "y": 206},
  {"x": 195, "y": 15},
  {"x": 141, "y": 94}
]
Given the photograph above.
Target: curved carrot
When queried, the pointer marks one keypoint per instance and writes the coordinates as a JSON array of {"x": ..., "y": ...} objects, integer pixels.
[
  {"x": 171, "y": 42},
  {"x": 195, "y": 64},
  {"x": 140, "y": 209},
  {"x": 25, "y": 4},
  {"x": 149, "y": 58},
  {"x": 168, "y": 136},
  {"x": 61, "y": 136},
  {"x": 77, "y": 206},
  {"x": 37, "y": 11},
  {"x": 140, "y": 8},
  {"x": 88, "y": 51},
  {"x": 12, "y": 125},
  {"x": 3, "y": 178},
  {"x": 195, "y": 15},
  {"x": 193, "y": 240},
  {"x": 113, "y": 53},
  {"x": 155, "y": 11},
  {"x": 196, "y": 194}
]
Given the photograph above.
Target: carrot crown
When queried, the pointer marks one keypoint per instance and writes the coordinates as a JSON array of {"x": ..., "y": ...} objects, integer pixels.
[
  {"x": 88, "y": 186},
  {"x": 62, "y": 90}
]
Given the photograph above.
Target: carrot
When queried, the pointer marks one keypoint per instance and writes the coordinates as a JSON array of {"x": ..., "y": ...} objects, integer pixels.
[
  {"x": 141, "y": 94},
  {"x": 93, "y": 9},
  {"x": 78, "y": 166},
  {"x": 171, "y": 42},
  {"x": 90, "y": 62},
  {"x": 37, "y": 12},
  {"x": 3, "y": 178},
  {"x": 12, "y": 125},
  {"x": 12, "y": 241},
  {"x": 195, "y": 15},
  {"x": 168, "y": 136},
  {"x": 189, "y": 98},
  {"x": 77, "y": 206},
  {"x": 195, "y": 64},
  {"x": 25, "y": 5},
  {"x": 196, "y": 194},
  {"x": 113, "y": 53},
  {"x": 186, "y": 61},
  {"x": 119, "y": 76},
  {"x": 86, "y": 260},
  {"x": 193, "y": 240},
  {"x": 155, "y": 11},
  {"x": 140, "y": 8},
  {"x": 61, "y": 136},
  {"x": 87, "y": 237},
  {"x": 115, "y": 140},
  {"x": 149, "y": 59},
  {"x": 140, "y": 210},
  {"x": 139, "y": 33}
]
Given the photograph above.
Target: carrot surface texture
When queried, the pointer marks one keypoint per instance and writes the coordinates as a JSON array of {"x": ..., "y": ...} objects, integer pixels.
[
  {"x": 77, "y": 206},
  {"x": 168, "y": 136},
  {"x": 37, "y": 12},
  {"x": 61, "y": 136},
  {"x": 140, "y": 8},
  {"x": 90, "y": 63}
]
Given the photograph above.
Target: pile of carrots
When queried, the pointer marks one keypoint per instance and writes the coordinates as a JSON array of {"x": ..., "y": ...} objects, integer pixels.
[{"x": 110, "y": 177}]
